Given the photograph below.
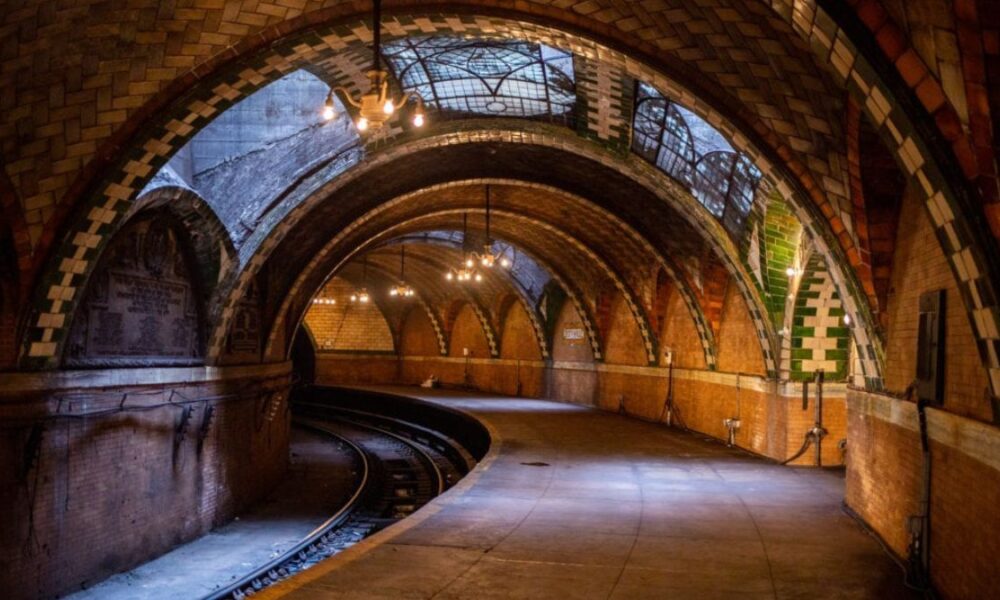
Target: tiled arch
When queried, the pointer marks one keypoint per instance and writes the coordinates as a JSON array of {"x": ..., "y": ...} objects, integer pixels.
[
  {"x": 553, "y": 270},
  {"x": 200, "y": 105},
  {"x": 636, "y": 308},
  {"x": 516, "y": 293},
  {"x": 60, "y": 285}
]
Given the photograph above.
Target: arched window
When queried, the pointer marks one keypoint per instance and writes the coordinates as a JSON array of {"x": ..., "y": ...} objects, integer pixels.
[
  {"x": 694, "y": 153},
  {"x": 485, "y": 77}
]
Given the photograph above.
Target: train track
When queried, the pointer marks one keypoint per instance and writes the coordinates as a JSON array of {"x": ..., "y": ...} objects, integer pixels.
[{"x": 401, "y": 467}]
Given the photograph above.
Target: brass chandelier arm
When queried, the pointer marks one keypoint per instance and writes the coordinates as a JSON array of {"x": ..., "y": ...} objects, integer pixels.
[{"x": 346, "y": 94}]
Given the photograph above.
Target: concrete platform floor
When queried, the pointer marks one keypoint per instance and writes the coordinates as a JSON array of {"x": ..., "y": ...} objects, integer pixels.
[
  {"x": 318, "y": 483},
  {"x": 575, "y": 503}
]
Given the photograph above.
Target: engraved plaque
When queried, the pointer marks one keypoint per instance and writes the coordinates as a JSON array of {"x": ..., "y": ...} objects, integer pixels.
[{"x": 141, "y": 306}]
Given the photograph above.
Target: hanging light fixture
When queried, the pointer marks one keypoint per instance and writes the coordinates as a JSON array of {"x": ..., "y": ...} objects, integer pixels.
[
  {"x": 401, "y": 290},
  {"x": 466, "y": 272},
  {"x": 376, "y": 107},
  {"x": 487, "y": 258},
  {"x": 324, "y": 300},
  {"x": 361, "y": 296}
]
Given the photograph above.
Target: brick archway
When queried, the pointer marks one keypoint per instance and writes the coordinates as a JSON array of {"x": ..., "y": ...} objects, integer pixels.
[{"x": 969, "y": 253}]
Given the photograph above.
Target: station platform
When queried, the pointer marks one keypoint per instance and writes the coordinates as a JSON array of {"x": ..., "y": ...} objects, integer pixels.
[{"x": 577, "y": 503}]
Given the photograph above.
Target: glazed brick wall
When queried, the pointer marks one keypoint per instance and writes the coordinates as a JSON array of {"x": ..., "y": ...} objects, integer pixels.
[
  {"x": 570, "y": 350},
  {"x": 417, "y": 337},
  {"x": 623, "y": 343},
  {"x": 347, "y": 325},
  {"x": 518, "y": 339},
  {"x": 738, "y": 338},
  {"x": 680, "y": 335},
  {"x": 884, "y": 486},
  {"x": 467, "y": 332},
  {"x": 920, "y": 266},
  {"x": 108, "y": 493}
]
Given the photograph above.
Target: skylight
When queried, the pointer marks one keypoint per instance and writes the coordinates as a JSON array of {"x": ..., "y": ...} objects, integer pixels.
[{"x": 497, "y": 78}]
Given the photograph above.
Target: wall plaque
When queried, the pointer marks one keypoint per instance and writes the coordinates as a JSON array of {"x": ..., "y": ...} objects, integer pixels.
[{"x": 140, "y": 307}]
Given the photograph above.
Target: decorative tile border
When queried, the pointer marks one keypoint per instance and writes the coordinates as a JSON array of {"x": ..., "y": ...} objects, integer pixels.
[{"x": 820, "y": 339}]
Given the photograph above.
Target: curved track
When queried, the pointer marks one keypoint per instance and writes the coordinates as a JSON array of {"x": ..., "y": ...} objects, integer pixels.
[{"x": 402, "y": 466}]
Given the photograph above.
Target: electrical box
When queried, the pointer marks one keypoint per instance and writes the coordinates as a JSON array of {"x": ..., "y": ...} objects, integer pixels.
[{"x": 930, "y": 348}]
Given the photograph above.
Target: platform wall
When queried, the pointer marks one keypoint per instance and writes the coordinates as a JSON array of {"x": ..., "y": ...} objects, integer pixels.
[{"x": 102, "y": 470}]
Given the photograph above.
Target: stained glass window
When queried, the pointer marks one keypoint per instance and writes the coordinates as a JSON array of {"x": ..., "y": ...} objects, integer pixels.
[
  {"x": 485, "y": 77},
  {"x": 694, "y": 153}
]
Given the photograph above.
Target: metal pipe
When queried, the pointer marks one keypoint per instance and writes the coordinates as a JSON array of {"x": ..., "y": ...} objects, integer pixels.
[
  {"x": 377, "y": 42},
  {"x": 818, "y": 430}
]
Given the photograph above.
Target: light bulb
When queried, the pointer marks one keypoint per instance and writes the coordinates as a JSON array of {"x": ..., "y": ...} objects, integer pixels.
[
  {"x": 504, "y": 262},
  {"x": 485, "y": 262},
  {"x": 388, "y": 107},
  {"x": 790, "y": 271},
  {"x": 362, "y": 124},
  {"x": 847, "y": 319},
  {"x": 478, "y": 277},
  {"x": 393, "y": 292},
  {"x": 418, "y": 119},
  {"x": 449, "y": 276},
  {"x": 328, "y": 112},
  {"x": 354, "y": 297},
  {"x": 469, "y": 263}
]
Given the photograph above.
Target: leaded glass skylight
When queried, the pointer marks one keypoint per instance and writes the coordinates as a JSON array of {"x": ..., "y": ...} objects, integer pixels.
[
  {"x": 497, "y": 78},
  {"x": 694, "y": 153}
]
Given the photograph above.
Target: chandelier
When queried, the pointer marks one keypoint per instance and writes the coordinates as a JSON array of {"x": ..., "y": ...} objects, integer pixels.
[
  {"x": 376, "y": 107},
  {"x": 487, "y": 258},
  {"x": 467, "y": 272},
  {"x": 401, "y": 290},
  {"x": 361, "y": 295}
]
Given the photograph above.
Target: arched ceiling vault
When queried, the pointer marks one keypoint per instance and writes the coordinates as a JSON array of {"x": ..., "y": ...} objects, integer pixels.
[
  {"x": 587, "y": 249},
  {"x": 732, "y": 78},
  {"x": 295, "y": 52},
  {"x": 651, "y": 217},
  {"x": 573, "y": 264},
  {"x": 558, "y": 250}
]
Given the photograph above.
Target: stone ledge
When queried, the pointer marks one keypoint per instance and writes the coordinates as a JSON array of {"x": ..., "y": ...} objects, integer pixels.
[
  {"x": 978, "y": 440},
  {"x": 20, "y": 383}
]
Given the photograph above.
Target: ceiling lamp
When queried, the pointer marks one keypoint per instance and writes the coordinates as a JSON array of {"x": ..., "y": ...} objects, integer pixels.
[
  {"x": 361, "y": 296},
  {"x": 376, "y": 107},
  {"x": 401, "y": 290},
  {"x": 466, "y": 272},
  {"x": 487, "y": 258}
]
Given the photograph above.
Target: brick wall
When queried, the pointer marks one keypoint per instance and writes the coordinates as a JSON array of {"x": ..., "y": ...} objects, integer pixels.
[
  {"x": 680, "y": 335},
  {"x": 518, "y": 335},
  {"x": 347, "y": 326},
  {"x": 467, "y": 332},
  {"x": 884, "y": 482},
  {"x": 920, "y": 266},
  {"x": 107, "y": 493},
  {"x": 623, "y": 343},
  {"x": 417, "y": 336},
  {"x": 774, "y": 423},
  {"x": 737, "y": 340}
]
